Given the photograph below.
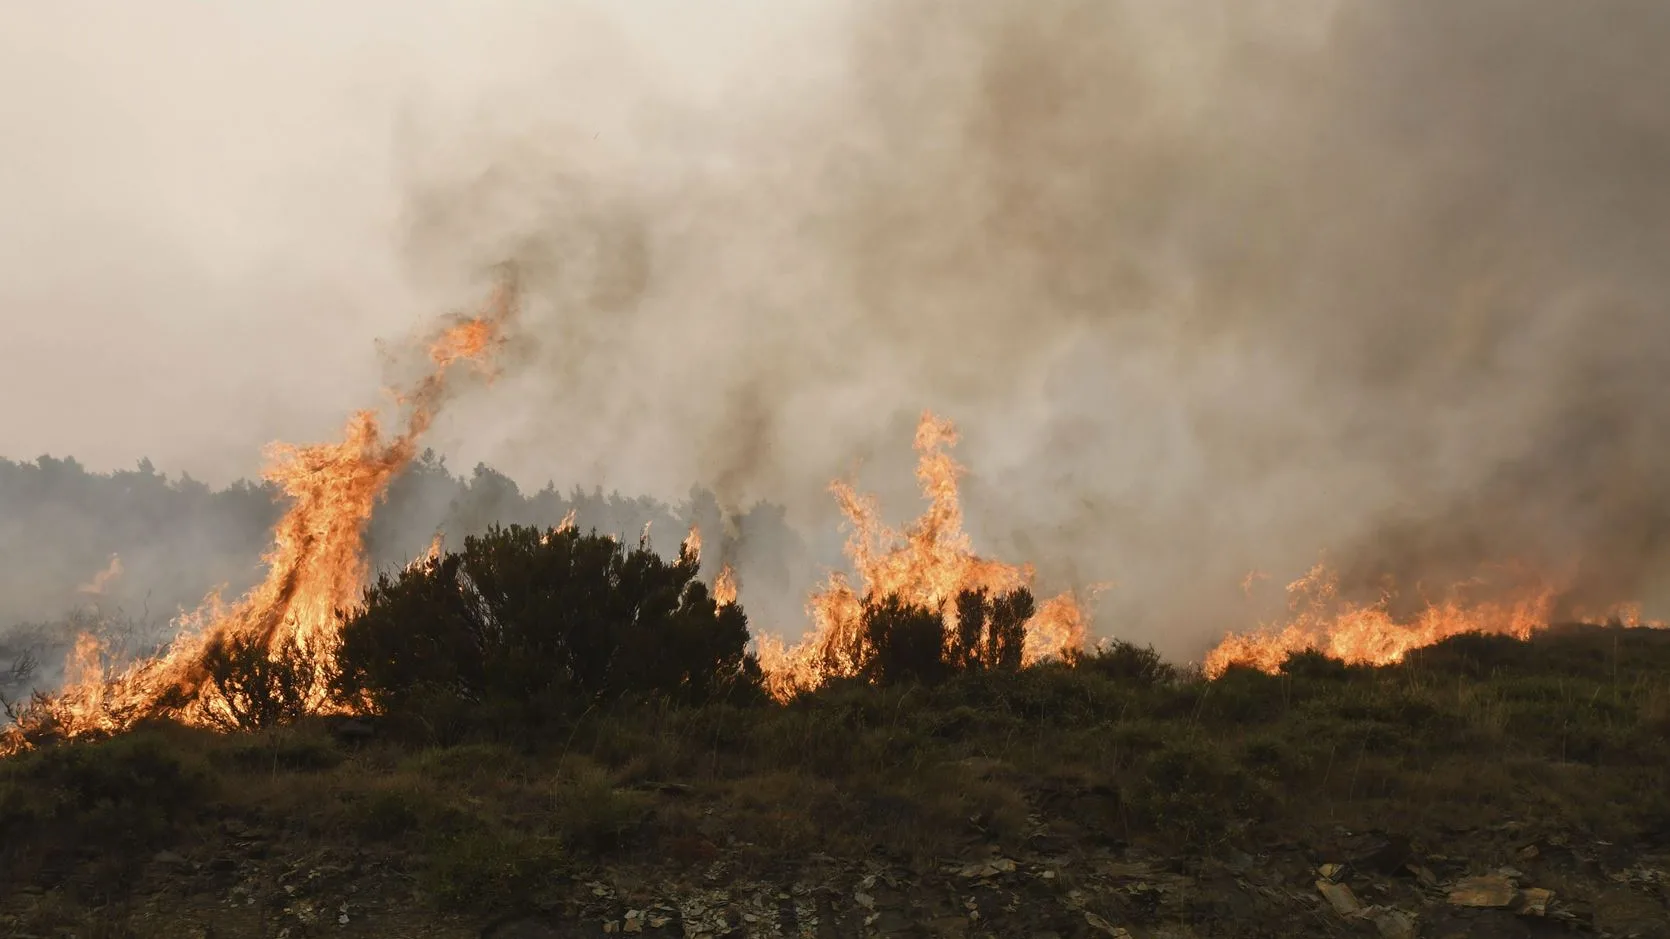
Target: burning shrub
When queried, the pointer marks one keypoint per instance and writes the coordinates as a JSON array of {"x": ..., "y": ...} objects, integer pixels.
[
  {"x": 525, "y": 624},
  {"x": 991, "y": 630},
  {"x": 257, "y": 687},
  {"x": 904, "y": 642}
]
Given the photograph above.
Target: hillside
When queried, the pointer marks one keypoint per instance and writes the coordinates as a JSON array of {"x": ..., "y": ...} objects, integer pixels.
[{"x": 1485, "y": 787}]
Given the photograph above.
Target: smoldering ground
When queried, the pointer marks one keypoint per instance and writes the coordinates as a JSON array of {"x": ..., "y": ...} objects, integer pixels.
[{"x": 1208, "y": 290}]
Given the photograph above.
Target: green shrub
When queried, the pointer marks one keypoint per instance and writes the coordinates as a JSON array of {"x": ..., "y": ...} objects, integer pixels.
[
  {"x": 1315, "y": 665},
  {"x": 489, "y": 869},
  {"x": 1193, "y": 787},
  {"x": 1127, "y": 663},
  {"x": 294, "y": 749},
  {"x": 524, "y": 627},
  {"x": 1471, "y": 655},
  {"x": 130, "y": 790}
]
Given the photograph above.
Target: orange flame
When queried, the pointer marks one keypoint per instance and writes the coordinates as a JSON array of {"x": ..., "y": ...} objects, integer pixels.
[
  {"x": 430, "y": 555},
  {"x": 567, "y": 524},
  {"x": 103, "y": 578},
  {"x": 724, "y": 586},
  {"x": 928, "y": 564},
  {"x": 315, "y": 569},
  {"x": 692, "y": 542},
  {"x": 1370, "y": 634}
]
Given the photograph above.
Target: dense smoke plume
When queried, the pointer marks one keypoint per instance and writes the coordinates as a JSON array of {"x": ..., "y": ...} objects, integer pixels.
[{"x": 1207, "y": 289}]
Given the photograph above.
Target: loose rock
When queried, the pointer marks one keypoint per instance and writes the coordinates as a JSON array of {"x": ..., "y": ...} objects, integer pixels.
[{"x": 1490, "y": 891}]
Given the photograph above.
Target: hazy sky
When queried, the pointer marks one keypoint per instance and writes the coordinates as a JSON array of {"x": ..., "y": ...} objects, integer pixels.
[
  {"x": 204, "y": 203},
  {"x": 1210, "y": 287}
]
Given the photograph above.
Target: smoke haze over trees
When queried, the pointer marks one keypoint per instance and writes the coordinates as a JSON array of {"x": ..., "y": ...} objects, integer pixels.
[
  {"x": 177, "y": 539},
  {"x": 1208, "y": 288}
]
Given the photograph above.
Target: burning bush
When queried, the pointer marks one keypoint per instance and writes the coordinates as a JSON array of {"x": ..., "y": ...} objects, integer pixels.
[
  {"x": 926, "y": 572},
  {"x": 905, "y": 642},
  {"x": 260, "y": 687},
  {"x": 528, "y": 624}
]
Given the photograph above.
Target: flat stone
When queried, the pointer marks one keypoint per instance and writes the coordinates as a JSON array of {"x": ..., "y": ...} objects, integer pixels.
[
  {"x": 1491, "y": 891},
  {"x": 1533, "y": 901},
  {"x": 1340, "y": 897},
  {"x": 1395, "y": 924}
]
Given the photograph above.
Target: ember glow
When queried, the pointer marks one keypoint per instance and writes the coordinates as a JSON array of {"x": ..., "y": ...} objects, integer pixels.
[
  {"x": 315, "y": 569},
  {"x": 928, "y": 564},
  {"x": 1369, "y": 634}
]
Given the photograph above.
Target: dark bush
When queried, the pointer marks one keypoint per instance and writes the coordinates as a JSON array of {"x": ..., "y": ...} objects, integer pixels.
[
  {"x": 991, "y": 631},
  {"x": 1315, "y": 664},
  {"x": 1127, "y": 663},
  {"x": 1195, "y": 788},
  {"x": 136, "y": 789},
  {"x": 527, "y": 625},
  {"x": 257, "y": 686},
  {"x": 302, "y": 750},
  {"x": 902, "y": 642},
  {"x": 1472, "y": 655}
]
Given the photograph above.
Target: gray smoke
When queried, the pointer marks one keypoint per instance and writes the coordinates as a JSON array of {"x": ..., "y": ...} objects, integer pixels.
[{"x": 1209, "y": 288}]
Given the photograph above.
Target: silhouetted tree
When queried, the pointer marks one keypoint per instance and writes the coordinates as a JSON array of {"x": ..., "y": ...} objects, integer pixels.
[
  {"x": 900, "y": 641},
  {"x": 905, "y": 643},
  {"x": 991, "y": 631},
  {"x": 541, "y": 621}
]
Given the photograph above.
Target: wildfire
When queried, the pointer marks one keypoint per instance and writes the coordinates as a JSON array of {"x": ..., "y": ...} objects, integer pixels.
[
  {"x": 430, "y": 555},
  {"x": 103, "y": 578},
  {"x": 316, "y": 567},
  {"x": 724, "y": 586},
  {"x": 567, "y": 524},
  {"x": 928, "y": 564},
  {"x": 1369, "y": 634}
]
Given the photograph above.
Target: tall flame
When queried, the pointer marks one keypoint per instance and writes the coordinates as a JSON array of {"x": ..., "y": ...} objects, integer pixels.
[
  {"x": 316, "y": 567},
  {"x": 724, "y": 586},
  {"x": 928, "y": 564}
]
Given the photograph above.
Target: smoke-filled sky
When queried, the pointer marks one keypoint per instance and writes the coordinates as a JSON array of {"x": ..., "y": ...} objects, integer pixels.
[{"x": 1209, "y": 288}]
